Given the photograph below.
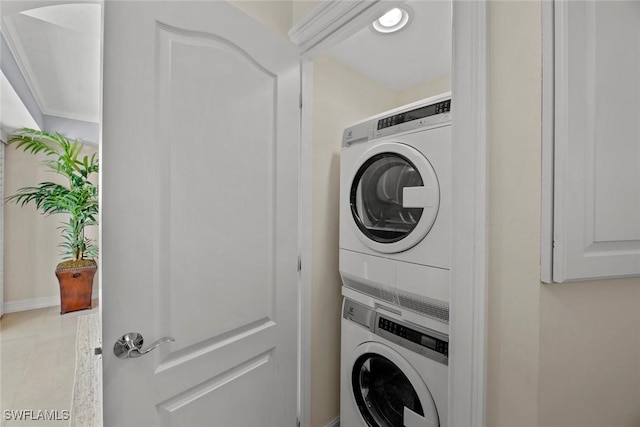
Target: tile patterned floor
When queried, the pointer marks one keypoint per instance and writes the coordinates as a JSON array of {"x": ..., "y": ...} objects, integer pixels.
[{"x": 37, "y": 363}]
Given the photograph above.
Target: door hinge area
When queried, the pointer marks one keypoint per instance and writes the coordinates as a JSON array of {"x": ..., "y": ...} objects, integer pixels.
[
  {"x": 299, "y": 263},
  {"x": 300, "y": 99},
  {"x": 297, "y": 422}
]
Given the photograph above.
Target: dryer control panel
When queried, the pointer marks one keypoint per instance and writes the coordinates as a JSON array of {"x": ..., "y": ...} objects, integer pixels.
[
  {"x": 416, "y": 114},
  {"x": 437, "y": 114},
  {"x": 424, "y": 114}
]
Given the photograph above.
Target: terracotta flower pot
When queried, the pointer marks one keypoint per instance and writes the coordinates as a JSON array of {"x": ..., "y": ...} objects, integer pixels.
[{"x": 76, "y": 286}]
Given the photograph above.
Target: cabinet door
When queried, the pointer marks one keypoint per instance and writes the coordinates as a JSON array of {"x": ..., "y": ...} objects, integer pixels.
[{"x": 596, "y": 181}]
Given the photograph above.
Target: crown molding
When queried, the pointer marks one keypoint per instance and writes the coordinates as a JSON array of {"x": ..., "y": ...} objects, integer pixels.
[{"x": 327, "y": 25}]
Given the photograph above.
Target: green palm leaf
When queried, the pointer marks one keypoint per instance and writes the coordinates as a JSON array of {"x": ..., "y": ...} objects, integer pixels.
[{"x": 78, "y": 200}]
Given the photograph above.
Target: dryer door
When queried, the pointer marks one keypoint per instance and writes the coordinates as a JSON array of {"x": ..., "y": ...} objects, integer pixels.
[
  {"x": 394, "y": 197},
  {"x": 388, "y": 391}
]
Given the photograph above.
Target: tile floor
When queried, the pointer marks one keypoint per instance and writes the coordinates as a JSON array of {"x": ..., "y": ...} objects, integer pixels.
[{"x": 37, "y": 362}]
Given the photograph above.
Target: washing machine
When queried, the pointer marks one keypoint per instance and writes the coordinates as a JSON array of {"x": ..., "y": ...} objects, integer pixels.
[
  {"x": 395, "y": 207},
  {"x": 393, "y": 373}
]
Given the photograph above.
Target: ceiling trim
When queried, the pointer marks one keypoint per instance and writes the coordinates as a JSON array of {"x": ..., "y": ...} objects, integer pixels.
[
  {"x": 24, "y": 68},
  {"x": 16, "y": 71},
  {"x": 326, "y": 25},
  {"x": 11, "y": 7},
  {"x": 70, "y": 127},
  {"x": 83, "y": 131}
]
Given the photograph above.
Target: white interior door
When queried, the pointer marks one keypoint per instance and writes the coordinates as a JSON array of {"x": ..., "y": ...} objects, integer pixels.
[{"x": 200, "y": 216}]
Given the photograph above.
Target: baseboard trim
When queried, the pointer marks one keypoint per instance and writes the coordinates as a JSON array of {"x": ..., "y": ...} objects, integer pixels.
[
  {"x": 334, "y": 423},
  {"x": 35, "y": 303}
]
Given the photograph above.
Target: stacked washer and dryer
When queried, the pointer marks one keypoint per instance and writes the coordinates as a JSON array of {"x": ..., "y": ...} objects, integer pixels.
[{"x": 395, "y": 241}]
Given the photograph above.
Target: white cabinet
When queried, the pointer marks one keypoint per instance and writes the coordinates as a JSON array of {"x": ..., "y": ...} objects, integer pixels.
[{"x": 591, "y": 159}]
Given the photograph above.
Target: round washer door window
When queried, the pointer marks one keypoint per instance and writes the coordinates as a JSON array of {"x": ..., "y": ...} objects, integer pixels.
[
  {"x": 384, "y": 395},
  {"x": 394, "y": 197}
]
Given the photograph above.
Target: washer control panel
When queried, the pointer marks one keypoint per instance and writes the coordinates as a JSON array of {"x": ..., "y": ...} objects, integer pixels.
[
  {"x": 426, "y": 342},
  {"x": 359, "y": 314}
]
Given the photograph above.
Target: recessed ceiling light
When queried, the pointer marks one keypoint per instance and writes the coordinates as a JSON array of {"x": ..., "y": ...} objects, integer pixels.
[{"x": 392, "y": 21}]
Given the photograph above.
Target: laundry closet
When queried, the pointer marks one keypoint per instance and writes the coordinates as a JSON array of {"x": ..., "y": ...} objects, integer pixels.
[{"x": 359, "y": 78}]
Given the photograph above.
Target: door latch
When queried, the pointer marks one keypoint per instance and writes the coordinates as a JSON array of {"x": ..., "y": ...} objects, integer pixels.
[{"x": 130, "y": 345}]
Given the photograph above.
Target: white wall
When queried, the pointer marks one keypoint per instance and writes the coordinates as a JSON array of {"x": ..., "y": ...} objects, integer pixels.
[
  {"x": 301, "y": 9},
  {"x": 514, "y": 213},
  {"x": 31, "y": 240},
  {"x": 276, "y": 14},
  {"x": 564, "y": 355},
  {"x": 341, "y": 96},
  {"x": 590, "y": 354},
  {"x": 424, "y": 90}
]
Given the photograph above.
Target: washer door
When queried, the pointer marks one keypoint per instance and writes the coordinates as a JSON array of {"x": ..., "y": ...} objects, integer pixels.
[
  {"x": 388, "y": 391},
  {"x": 394, "y": 197}
]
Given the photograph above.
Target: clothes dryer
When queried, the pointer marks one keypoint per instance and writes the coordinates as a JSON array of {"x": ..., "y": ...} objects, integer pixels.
[
  {"x": 395, "y": 207},
  {"x": 393, "y": 373}
]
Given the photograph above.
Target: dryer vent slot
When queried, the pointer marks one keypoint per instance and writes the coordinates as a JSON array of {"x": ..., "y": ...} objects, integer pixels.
[
  {"x": 427, "y": 306},
  {"x": 374, "y": 291},
  {"x": 430, "y": 307}
]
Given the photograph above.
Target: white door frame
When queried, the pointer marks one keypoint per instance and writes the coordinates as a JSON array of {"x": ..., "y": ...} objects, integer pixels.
[
  {"x": 327, "y": 25},
  {"x": 2, "y": 148}
]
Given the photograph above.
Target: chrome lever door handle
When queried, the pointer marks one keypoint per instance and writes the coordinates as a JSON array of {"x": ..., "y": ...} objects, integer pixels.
[{"x": 129, "y": 346}]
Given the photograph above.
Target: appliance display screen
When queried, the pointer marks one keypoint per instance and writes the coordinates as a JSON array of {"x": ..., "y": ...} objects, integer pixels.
[
  {"x": 418, "y": 113},
  {"x": 412, "y": 335},
  {"x": 428, "y": 341},
  {"x": 427, "y": 111}
]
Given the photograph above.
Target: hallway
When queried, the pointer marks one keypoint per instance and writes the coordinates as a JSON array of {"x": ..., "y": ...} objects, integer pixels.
[{"x": 37, "y": 363}]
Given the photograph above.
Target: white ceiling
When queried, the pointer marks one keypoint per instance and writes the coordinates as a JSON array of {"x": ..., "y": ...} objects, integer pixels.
[
  {"x": 13, "y": 113},
  {"x": 418, "y": 53},
  {"x": 58, "y": 50}
]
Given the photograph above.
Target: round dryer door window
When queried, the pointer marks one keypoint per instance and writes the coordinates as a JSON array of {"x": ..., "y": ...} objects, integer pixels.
[
  {"x": 385, "y": 395},
  {"x": 394, "y": 197}
]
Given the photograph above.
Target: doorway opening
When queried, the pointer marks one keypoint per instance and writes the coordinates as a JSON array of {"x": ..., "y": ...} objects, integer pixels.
[
  {"x": 363, "y": 75},
  {"x": 51, "y": 82}
]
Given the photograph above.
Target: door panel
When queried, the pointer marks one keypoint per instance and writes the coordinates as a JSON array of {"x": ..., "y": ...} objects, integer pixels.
[
  {"x": 228, "y": 224},
  {"x": 596, "y": 177},
  {"x": 230, "y": 396},
  {"x": 199, "y": 227}
]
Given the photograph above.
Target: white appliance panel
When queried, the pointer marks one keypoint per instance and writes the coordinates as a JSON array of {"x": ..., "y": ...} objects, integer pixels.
[
  {"x": 425, "y": 386},
  {"x": 395, "y": 246}
]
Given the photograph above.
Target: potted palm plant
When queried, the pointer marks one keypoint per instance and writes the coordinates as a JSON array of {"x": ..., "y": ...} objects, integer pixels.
[{"x": 78, "y": 199}]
